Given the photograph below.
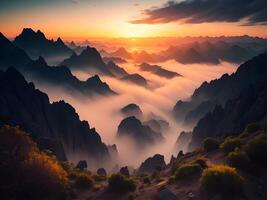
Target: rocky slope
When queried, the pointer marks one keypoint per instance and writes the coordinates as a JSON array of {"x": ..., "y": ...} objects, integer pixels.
[
  {"x": 218, "y": 91},
  {"x": 23, "y": 105},
  {"x": 231, "y": 119}
]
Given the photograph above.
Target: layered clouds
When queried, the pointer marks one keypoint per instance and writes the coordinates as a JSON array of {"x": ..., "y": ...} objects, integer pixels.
[{"x": 251, "y": 12}]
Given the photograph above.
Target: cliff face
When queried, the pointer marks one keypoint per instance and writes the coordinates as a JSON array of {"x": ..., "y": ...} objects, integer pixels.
[
  {"x": 219, "y": 91},
  {"x": 21, "y": 104},
  {"x": 250, "y": 106}
]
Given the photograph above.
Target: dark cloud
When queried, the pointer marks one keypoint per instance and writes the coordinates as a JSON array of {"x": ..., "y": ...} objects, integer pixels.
[{"x": 201, "y": 11}]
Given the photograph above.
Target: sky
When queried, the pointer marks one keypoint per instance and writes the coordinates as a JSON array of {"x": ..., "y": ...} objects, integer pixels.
[{"x": 81, "y": 19}]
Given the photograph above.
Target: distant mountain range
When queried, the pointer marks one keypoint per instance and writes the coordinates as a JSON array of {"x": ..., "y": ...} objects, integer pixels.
[
  {"x": 205, "y": 50},
  {"x": 38, "y": 71},
  {"x": 29, "y": 108},
  {"x": 36, "y": 44}
]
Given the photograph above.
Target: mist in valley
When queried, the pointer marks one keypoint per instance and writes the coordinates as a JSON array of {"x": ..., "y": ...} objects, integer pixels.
[{"x": 157, "y": 99}]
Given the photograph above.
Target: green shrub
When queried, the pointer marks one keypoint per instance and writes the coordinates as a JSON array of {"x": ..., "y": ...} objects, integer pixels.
[
  {"x": 120, "y": 183},
  {"x": 221, "y": 179},
  {"x": 238, "y": 159},
  {"x": 211, "y": 144},
  {"x": 187, "y": 170},
  {"x": 83, "y": 181},
  {"x": 257, "y": 149},
  {"x": 230, "y": 144}
]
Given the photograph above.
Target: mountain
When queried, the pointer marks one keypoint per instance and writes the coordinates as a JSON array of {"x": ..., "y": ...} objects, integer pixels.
[
  {"x": 11, "y": 55},
  {"x": 136, "y": 79},
  {"x": 39, "y": 72},
  {"x": 141, "y": 134},
  {"x": 89, "y": 60},
  {"x": 218, "y": 91},
  {"x": 117, "y": 60},
  {"x": 36, "y": 44},
  {"x": 132, "y": 110},
  {"x": 158, "y": 70},
  {"x": 76, "y": 48},
  {"x": 23, "y": 105},
  {"x": 249, "y": 107},
  {"x": 116, "y": 70},
  {"x": 122, "y": 53}
]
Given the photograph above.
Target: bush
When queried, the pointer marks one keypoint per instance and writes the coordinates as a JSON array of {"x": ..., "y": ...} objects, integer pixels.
[
  {"x": 25, "y": 171},
  {"x": 187, "y": 170},
  {"x": 238, "y": 159},
  {"x": 99, "y": 178},
  {"x": 257, "y": 149},
  {"x": 211, "y": 144},
  {"x": 201, "y": 162},
  {"x": 230, "y": 144},
  {"x": 120, "y": 183},
  {"x": 222, "y": 180},
  {"x": 83, "y": 181},
  {"x": 253, "y": 127}
]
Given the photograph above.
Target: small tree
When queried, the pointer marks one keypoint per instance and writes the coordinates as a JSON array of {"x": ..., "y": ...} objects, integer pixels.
[
  {"x": 221, "y": 179},
  {"x": 211, "y": 144},
  {"x": 120, "y": 183},
  {"x": 230, "y": 144},
  {"x": 187, "y": 170}
]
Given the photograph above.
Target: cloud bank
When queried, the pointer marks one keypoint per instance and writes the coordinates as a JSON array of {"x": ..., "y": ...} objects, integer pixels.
[{"x": 253, "y": 12}]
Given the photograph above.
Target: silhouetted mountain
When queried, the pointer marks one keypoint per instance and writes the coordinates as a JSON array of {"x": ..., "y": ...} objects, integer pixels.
[
  {"x": 88, "y": 60},
  {"x": 218, "y": 91},
  {"x": 38, "y": 71},
  {"x": 76, "y": 48},
  {"x": 249, "y": 107},
  {"x": 29, "y": 108},
  {"x": 158, "y": 70},
  {"x": 117, "y": 71},
  {"x": 132, "y": 110},
  {"x": 153, "y": 164},
  {"x": 136, "y": 79},
  {"x": 36, "y": 44},
  {"x": 10, "y": 55},
  {"x": 117, "y": 60},
  {"x": 141, "y": 134}
]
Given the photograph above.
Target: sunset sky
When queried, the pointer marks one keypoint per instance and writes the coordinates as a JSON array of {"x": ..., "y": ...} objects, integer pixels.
[{"x": 81, "y": 19}]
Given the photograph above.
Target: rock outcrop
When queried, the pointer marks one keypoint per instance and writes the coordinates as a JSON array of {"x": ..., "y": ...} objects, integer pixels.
[
  {"x": 132, "y": 110},
  {"x": 141, "y": 134},
  {"x": 152, "y": 164}
]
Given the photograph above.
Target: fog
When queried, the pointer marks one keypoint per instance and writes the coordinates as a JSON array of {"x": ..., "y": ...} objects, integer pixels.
[{"x": 159, "y": 98}]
